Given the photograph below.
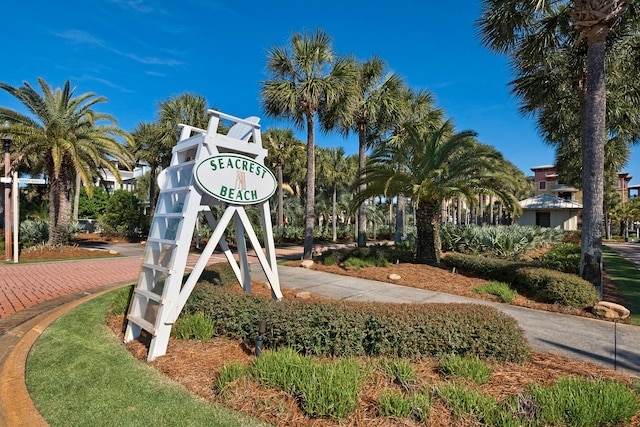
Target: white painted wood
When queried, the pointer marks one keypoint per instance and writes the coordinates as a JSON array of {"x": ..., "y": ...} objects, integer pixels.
[{"x": 160, "y": 294}]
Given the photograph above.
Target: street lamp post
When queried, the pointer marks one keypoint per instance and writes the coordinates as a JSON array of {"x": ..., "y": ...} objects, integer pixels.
[{"x": 7, "y": 200}]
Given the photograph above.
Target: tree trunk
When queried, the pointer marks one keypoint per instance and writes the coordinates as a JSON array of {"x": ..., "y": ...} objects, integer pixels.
[
  {"x": 76, "y": 197},
  {"x": 280, "y": 205},
  {"x": 334, "y": 215},
  {"x": 58, "y": 212},
  {"x": 153, "y": 177},
  {"x": 400, "y": 207},
  {"x": 362, "y": 159},
  {"x": 593, "y": 159},
  {"x": 309, "y": 211},
  {"x": 428, "y": 245}
]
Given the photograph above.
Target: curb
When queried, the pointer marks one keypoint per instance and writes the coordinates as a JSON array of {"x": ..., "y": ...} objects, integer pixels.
[{"x": 16, "y": 407}]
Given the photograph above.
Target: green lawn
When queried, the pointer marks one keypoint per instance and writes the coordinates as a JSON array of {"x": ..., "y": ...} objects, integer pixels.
[
  {"x": 79, "y": 375},
  {"x": 627, "y": 279}
]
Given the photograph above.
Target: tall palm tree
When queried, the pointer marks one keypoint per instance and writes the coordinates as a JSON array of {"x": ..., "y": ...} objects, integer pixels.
[
  {"x": 375, "y": 102},
  {"x": 149, "y": 146},
  {"x": 304, "y": 78},
  {"x": 334, "y": 170},
  {"x": 507, "y": 26},
  {"x": 64, "y": 136},
  {"x": 439, "y": 165}
]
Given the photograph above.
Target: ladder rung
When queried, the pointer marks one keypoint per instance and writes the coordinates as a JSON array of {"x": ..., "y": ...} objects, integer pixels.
[
  {"x": 156, "y": 267},
  {"x": 176, "y": 190},
  {"x": 149, "y": 295},
  {"x": 180, "y": 166},
  {"x": 162, "y": 241},
  {"x": 168, "y": 215},
  {"x": 144, "y": 324}
]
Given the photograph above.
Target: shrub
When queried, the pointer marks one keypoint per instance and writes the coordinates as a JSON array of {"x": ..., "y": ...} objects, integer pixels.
[
  {"x": 562, "y": 257},
  {"x": 469, "y": 367},
  {"x": 401, "y": 371},
  {"x": 394, "y": 404},
  {"x": 355, "y": 329},
  {"x": 584, "y": 402},
  {"x": 122, "y": 215},
  {"x": 33, "y": 232},
  {"x": 327, "y": 389},
  {"x": 499, "y": 289},
  {"x": 502, "y": 241},
  {"x": 194, "y": 325},
  {"x": 378, "y": 255},
  {"x": 541, "y": 284},
  {"x": 555, "y": 287},
  {"x": 230, "y": 373},
  {"x": 121, "y": 300}
]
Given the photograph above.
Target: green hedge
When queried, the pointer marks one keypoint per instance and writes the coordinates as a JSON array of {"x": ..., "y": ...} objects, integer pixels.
[
  {"x": 541, "y": 284},
  {"x": 358, "y": 329}
]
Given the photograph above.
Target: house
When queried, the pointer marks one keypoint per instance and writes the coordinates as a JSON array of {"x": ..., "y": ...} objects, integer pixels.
[
  {"x": 547, "y": 210},
  {"x": 558, "y": 205}
]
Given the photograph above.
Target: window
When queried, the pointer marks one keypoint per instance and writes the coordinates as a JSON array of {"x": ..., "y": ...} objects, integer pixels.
[{"x": 542, "y": 185}]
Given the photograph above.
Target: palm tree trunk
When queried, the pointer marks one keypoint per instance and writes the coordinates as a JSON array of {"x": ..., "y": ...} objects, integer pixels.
[
  {"x": 280, "y": 205},
  {"x": 59, "y": 212},
  {"x": 400, "y": 206},
  {"x": 428, "y": 244},
  {"x": 362, "y": 159},
  {"x": 593, "y": 159},
  {"x": 152, "y": 190},
  {"x": 334, "y": 216},
  {"x": 76, "y": 197},
  {"x": 309, "y": 212}
]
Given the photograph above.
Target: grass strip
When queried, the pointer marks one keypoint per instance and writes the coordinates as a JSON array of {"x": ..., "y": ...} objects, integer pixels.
[
  {"x": 78, "y": 374},
  {"x": 627, "y": 279}
]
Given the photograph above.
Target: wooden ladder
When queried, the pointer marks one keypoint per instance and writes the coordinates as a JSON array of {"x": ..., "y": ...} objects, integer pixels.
[{"x": 162, "y": 291}]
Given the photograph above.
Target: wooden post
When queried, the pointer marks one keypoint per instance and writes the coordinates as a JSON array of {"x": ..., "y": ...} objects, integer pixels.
[{"x": 7, "y": 200}]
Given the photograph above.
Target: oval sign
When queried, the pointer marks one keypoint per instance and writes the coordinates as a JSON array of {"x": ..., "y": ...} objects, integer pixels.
[{"x": 235, "y": 179}]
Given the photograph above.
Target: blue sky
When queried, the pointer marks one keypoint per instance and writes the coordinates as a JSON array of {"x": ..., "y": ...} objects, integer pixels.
[{"x": 139, "y": 52}]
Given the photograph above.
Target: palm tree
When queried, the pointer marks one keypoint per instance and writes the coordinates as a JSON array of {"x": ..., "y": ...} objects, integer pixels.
[
  {"x": 185, "y": 108},
  {"x": 304, "y": 78},
  {"x": 513, "y": 26},
  {"x": 281, "y": 144},
  {"x": 375, "y": 102},
  {"x": 418, "y": 111},
  {"x": 439, "y": 165},
  {"x": 149, "y": 146},
  {"x": 334, "y": 170},
  {"x": 65, "y": 136}
]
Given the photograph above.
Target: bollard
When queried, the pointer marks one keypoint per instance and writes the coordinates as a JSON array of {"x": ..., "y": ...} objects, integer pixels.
[{"x": 262, "y": 327}]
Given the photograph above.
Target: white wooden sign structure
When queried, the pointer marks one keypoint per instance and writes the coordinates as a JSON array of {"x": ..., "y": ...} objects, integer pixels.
[{"x": 207, "y": 169}]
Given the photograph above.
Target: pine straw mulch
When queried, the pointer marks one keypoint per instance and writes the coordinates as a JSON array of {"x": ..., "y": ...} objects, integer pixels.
[{"x": 196, "y": 366}]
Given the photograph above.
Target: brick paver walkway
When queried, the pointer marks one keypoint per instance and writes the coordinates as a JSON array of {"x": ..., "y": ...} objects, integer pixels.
[{"x": 26, "y": 285}]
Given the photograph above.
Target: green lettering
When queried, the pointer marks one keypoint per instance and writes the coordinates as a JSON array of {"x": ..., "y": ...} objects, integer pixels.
[
  {"x": 213, "y": 165},
  {"x": 231, "y": 191},
  {"x": 223, "y": 191},
  {"x": 254, "y": 195},
  {"x": 230, "y": 163}
]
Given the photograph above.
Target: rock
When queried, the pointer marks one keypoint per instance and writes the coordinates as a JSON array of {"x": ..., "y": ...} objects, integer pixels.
[
  {"x": 394, "y": 276},
  {"x": 610, "y": 310},
  {"x": 112, "y": 252},
  {"x": 307, "y": 263},
  {"x": 303, "y": 295}
]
